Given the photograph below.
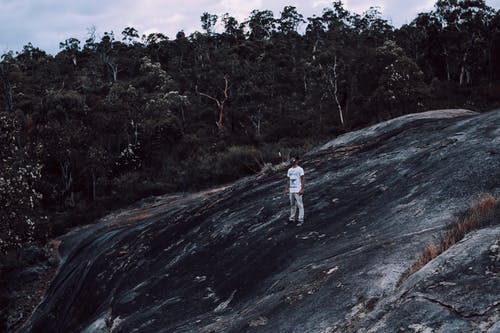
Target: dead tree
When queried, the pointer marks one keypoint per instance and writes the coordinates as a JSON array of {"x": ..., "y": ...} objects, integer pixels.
[
  {"x": 334, "y": 88},
  {"x": 219, "y": 102}
]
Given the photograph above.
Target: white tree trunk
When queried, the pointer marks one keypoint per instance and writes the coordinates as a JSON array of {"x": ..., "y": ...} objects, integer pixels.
[
  {"x": 336, "y": 90},
  {"x": 220, "y": 103},
  {"x": 464, "y": 72},
  {"x": 257, "y": 122},
  {"x": 315, "y": 48},
  {"x": 448, "y": 74}
]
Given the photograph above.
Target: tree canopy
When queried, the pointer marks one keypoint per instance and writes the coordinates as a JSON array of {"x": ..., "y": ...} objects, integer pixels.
[{"x": 111, "y": 120}]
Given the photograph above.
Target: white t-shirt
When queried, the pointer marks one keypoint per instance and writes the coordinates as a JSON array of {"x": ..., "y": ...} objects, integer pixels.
[{"x": 295, "y": 182}]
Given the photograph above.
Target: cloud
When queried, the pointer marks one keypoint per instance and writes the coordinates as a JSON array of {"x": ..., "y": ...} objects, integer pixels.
[
  {"x": 393, "y": 8},
  {"x": 321, "y": 3},
  {"x": 237, "y": 8}
]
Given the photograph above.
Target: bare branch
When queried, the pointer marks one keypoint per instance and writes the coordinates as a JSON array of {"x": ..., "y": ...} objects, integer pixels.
[{"x": 219, "y": 102}]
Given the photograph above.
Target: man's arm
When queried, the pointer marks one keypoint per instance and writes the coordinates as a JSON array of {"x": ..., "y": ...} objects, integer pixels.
[
  {"x": 287, "y": 187},
  {"x": 303, "y": 182}
]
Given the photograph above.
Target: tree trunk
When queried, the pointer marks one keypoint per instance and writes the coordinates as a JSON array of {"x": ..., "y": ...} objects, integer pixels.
[
  {"x": 10, "y": 97},
  {"x": 114, "y": 68},
  {"x": 448, "y": 74},
  {"x": 490, "y": 63},
  {"x": 220, "y": 104},
  {"x": 67, "y": 180},
  {"x": 8, "y": 90},
  {"x": 464, "y": 72},
  {"x": 315, "y": 48},
  {"x": 257, "y": 121},
  {"x": 183, "y": 120},
  {"x": 335, "y": 91},
  {"x": 93, "y": 186},
  {"x": 67, "y": 176}
]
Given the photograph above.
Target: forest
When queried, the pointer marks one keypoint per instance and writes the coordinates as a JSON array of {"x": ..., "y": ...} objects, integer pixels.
[{"x": 123, "y": 116}]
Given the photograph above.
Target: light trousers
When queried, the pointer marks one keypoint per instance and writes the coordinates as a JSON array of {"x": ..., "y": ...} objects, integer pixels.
[{"x": 296, "y": 201}]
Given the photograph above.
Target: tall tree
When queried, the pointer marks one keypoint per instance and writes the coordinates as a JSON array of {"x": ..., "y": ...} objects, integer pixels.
[
  {"x": 262, "y": 24},
  {"x": 232, "y": 28},
  {"x": 208, "y": 22},
  {"x": 71, "y": 48},
  {"x": 290, "y": 20},
  {"x": 7, "y": 67},
  {"x": 463, "y": 23},
  {"x": 130, "y": 35}
]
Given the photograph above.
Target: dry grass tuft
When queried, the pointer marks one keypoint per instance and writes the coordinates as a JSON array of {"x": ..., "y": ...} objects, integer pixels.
[{"x": 477, "y": 216}]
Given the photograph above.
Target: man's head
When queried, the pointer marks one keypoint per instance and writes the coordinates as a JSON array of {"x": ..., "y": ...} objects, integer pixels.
[{"x": 294, "y": 161}]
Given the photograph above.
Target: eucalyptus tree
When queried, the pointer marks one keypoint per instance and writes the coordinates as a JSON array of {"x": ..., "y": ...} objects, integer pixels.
[
  {"x": 8, "y": 67},
  {"x": 71, "y": 48},
  {"x": 233, "y": 31},
  {"x": 106, "y": 50},
  {"x": 130, "y": 35},
  {"x": 465, "y": 36},
  {"x": 262, "y": 24},
  {"x": 208, "y": 22},
  {"x": 400, "y": 85},
  {"x": 422, "y": 40},
  {"x": 289, "y": 20}
]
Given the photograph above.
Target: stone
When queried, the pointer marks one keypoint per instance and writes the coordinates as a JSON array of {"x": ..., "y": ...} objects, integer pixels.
[{"x": 217, "y": 261}]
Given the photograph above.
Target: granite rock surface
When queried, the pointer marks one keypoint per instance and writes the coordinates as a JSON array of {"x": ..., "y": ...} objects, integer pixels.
[{"x": 224, "y": 260}]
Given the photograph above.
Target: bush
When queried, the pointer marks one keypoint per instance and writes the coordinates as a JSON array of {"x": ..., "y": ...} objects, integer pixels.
[
  {"x": 19, "y": 199},
  {"x": 206, "y": 169},
  {"x": 237, "y": 161},
  {"x": 483, "y": 213}
]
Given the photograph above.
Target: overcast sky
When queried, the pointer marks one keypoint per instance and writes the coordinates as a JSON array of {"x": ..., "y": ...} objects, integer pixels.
[{"x": 45, "y": 23}]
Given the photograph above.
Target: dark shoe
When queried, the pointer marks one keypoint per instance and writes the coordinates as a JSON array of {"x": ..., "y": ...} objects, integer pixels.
[{"x": 300, "y": 223}]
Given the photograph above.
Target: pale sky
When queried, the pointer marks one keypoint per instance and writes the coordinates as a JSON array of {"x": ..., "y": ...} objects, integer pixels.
[{"x": 45, "y": 23}]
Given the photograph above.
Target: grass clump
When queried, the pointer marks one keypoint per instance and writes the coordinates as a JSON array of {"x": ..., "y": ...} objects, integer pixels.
[{"x": 483, "y": 213}]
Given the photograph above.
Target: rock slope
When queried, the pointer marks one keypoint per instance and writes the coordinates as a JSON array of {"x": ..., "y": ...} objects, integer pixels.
[{"x": 224, "y": 260}]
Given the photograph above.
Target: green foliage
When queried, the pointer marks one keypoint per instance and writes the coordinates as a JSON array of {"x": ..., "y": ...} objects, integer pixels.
[
  {"x": 236, "y": 161},
  {"x": 262, "y": 24},
  {"x": 290, "y": 20},
  {"x": 208, "y": 22},
  {"x": 400, "y": 86},
  {"x": 19, "y": 198},
  {"x": 221, "y": 167}
]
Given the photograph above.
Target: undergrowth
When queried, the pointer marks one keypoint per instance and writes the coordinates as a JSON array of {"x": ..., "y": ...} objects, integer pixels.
[{"x": 483, "y": 213}]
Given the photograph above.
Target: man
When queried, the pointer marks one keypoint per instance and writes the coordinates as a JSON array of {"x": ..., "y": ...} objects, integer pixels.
[{"x": 295, "y": 187}]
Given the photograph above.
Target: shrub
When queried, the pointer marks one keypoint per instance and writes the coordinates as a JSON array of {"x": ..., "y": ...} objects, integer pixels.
[
  {"x": 211, "y": 168},
  {"x": 238, "y": 161},
  {"x": 479, "y": 215},
  {"x": 19, "y": 199}
]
